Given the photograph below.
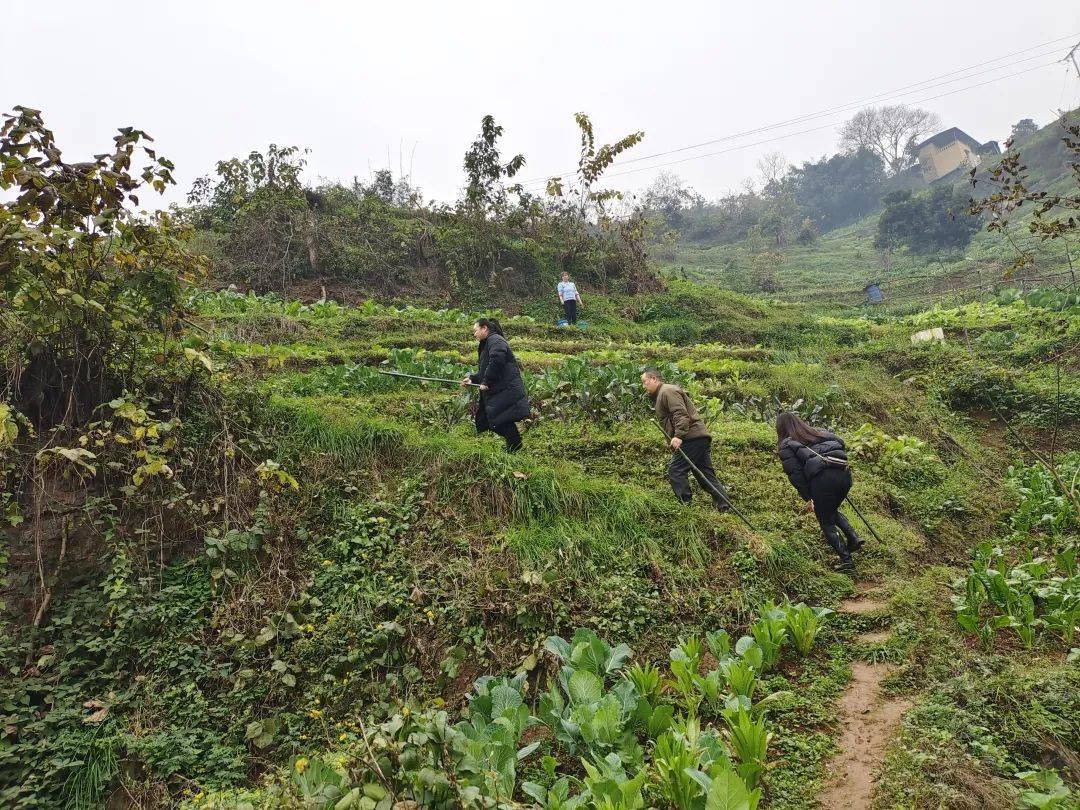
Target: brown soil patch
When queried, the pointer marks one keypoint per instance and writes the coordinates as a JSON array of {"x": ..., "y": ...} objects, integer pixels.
[
  {"x": 869, "y": 721},
  {"x": 862, "y": 605},
  {"x": 873, "y": 637}
]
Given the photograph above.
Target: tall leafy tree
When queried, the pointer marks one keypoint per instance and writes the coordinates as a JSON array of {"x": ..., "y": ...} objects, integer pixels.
[
  {"x": 668, "y": 198},
  {"x": 837, "y": 190},
  {"x": 86, "y": 277},
  {"x": 485, "y": 169},
  {"x": 268, "y": 216},
  {"x": 1023, "y": 128},
  {"x": 593, "y": 161},
  {"x": 935, "y": 220},
  {"x": 1055, "y": 213},
  {"x": 579, "y": 212}
]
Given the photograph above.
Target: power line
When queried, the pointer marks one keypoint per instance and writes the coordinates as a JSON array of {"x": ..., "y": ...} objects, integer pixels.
[
  {"x": 803, "y": 131},
  {"x": 886, "y": 95},
  {"x": 809, "y": 130},
  {"x": 877, "y": 96}
]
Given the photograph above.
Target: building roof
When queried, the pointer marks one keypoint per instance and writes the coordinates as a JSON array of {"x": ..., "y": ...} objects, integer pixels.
[{"x": 943, "y": 139}]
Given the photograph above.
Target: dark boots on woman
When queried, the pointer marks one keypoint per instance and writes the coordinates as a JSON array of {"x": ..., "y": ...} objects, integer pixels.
[
  {"x": 854, "y": 542},
  {"x": 834, "y": 538}
]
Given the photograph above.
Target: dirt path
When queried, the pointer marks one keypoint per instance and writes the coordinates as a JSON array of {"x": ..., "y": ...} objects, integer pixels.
[
  {"x": 869, "y": 721},
  {"x": 862, "y": 604}
]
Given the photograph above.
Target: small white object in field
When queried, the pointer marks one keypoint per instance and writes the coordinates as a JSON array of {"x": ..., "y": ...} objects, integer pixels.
[{"x": 927, "y": 335}]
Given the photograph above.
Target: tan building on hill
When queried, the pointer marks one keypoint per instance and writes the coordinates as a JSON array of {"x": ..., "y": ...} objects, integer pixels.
[{"x": 950, "y": 150}]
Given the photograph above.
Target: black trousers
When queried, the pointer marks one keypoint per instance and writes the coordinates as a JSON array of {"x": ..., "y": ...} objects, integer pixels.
[
  {"x": 570, "y": 308},
  {"x": 698, "y": 451},
  {"x": 828, "y": 489},
  {"x": 509, "y": 431}
]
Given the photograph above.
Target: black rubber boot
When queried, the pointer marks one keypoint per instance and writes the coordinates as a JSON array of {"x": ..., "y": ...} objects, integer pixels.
[
  {"x": 832, "y": 535},
  {"x": 854, "y": 542}
]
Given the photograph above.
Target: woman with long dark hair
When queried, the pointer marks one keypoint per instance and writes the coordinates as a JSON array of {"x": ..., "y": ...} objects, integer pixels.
[
  {"x": 503, "y": 401},
  {"x": 816, "y": 464}
]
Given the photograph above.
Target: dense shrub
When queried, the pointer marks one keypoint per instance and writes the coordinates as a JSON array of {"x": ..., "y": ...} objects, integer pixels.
[
  {"x": 937, "y": 220},
  {"x": 274, "y": 231}
]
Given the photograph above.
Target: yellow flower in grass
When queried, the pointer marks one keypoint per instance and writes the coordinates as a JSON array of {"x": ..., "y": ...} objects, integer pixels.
[{"x": 301, "y": 764}]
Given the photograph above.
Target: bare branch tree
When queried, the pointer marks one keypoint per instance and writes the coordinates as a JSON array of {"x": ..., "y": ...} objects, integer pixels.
[
  {"x": 771, "y": 168},
  {"x": 890, "y": 132}
]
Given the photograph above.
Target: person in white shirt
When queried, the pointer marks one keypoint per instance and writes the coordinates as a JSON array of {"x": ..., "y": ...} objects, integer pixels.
[{"x": 569, "y": 297}]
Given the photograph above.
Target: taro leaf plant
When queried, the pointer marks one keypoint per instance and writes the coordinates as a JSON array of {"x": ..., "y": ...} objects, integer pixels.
[{"x": 88, "y": 280}]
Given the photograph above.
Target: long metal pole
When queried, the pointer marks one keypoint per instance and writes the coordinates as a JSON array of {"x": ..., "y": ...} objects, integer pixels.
[
  {"x": 864, "y": 520},
  {"x": 701, "y": 477},
  {"x": 430, "y": 379}
]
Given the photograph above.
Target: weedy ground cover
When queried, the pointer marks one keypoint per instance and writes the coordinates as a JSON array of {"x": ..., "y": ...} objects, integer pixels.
[{"x": 366, "y": 605}]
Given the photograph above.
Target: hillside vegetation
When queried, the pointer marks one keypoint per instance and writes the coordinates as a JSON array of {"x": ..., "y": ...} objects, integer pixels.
[
  {"x": 243, "y": 569},
  {"x": 380, "y": 558},
  {"x": 835, "y": 266}
]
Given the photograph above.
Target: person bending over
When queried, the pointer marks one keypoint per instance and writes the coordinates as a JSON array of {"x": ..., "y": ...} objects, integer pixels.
[
  {"x": 503, "y": 401},
  {"x": 816, "y": 464},
  {"x": 686, "y": 432}
]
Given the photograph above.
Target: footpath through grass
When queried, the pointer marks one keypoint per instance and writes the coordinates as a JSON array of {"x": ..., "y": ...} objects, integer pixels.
[{"x": 326, "y": 638}]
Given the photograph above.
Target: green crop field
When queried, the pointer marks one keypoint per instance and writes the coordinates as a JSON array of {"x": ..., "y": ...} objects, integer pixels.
[{"x": 327, "y": 645}]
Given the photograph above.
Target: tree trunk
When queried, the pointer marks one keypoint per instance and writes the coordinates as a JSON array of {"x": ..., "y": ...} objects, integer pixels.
[{"x": 310, "y": 234}]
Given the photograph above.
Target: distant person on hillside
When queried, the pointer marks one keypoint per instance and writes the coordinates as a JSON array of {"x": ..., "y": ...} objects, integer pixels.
[
  {"x": 686, "y": 432},
  {"x": 569, "y": 297},
  {"x": 503, "y": 401},
  {"x": 816, "y": 464}
]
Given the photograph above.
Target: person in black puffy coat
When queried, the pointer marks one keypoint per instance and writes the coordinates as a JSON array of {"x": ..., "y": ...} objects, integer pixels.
[
  {"x": 503, "y": 401},
  {"x": 816, "y": 464}
]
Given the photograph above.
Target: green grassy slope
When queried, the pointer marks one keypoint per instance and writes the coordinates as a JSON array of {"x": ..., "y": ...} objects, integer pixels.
[
  {"x": 415, "y": 557},
  {"x": 836, "y": 268}
]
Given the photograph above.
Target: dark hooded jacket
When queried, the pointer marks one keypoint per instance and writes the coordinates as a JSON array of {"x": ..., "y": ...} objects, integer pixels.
[
  {"x": 505, "y": 400},
  {"x": 803, "y": 463}
]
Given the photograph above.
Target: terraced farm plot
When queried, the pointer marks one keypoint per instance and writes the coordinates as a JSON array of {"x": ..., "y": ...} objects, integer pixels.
[
  {"x": 580, "y": 528},
  {"x": 400, "y": 611}
]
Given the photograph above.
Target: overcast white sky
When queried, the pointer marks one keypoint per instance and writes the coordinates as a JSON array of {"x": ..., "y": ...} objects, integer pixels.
[{"x": 371, "y": 85}]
